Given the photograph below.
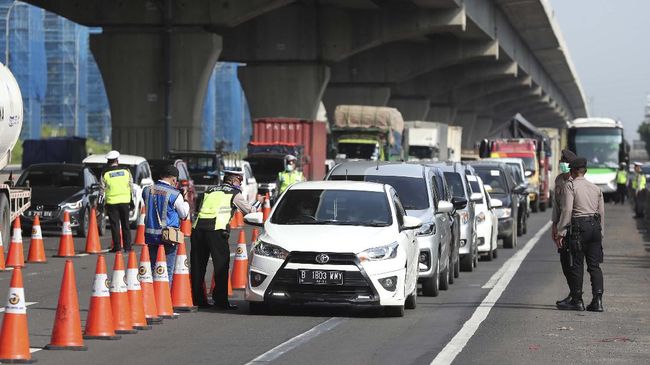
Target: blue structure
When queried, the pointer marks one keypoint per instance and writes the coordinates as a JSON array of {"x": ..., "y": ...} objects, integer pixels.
[{"x": 98, "y": 112}]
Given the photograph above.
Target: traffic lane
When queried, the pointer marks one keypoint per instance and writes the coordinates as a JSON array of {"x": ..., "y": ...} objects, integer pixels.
[
  {"x": 420, "y": 334},
  {"x": 524, "y": 326}
]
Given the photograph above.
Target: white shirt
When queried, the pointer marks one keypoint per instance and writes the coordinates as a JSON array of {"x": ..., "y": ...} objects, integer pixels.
[{"x": 182, "y": 207}]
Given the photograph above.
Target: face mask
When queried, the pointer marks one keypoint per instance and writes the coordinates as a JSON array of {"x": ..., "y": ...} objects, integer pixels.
[
  {"x": 564, "y": 167},
  {"x": 289, "y": 167}
]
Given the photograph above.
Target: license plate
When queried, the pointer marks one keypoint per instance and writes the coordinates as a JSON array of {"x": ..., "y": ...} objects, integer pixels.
[
  {"x": 46, "y": 214},
  {"x": 320, "y": 277}
]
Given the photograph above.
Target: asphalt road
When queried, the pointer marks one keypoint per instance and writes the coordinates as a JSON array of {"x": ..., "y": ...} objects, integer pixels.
[{"x": 507, "y": 318}]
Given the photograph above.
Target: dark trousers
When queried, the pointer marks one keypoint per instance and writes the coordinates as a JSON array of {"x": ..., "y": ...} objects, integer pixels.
[
  {"x": 592, "y": 253},
  {"x": 565, "y": 261},
  {"x": 621, "y": 192},
  {"x": 118, "y": 214},
  {"x": 206, "y": 244},
  {"x": 639, "y": 203}
]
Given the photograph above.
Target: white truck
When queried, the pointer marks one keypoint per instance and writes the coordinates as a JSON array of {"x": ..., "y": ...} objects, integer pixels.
[
  {"x": 13, "y": 201},
  {"x": 425, "y": 141}
]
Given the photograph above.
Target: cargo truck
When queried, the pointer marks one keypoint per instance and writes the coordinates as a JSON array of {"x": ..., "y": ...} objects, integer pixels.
[
  {"x": 366, "y": 133},
  {"x": 554, "y": 144},
  {"x": 454, "y": 143},
  {"x": 426, "y": 141},
  {"x": 13, "y": 201}
]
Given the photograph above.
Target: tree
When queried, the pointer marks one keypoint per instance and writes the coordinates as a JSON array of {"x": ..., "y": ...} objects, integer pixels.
[{"x": 644, "y": 132}]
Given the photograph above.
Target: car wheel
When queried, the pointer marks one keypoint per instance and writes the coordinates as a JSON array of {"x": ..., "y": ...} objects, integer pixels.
[
  {"x": 520, "y": 227},
  {"x": 84, "y": 216},
  {"x": 476, "y": 255},
  {"x": 467, "y": 263},
  {"x": 5, "y": 220},
  {"x": 457, "y": 266},
  {"x": 534, "y": 206},
  {"x": 550, "y": 200},
  {"x": 444, "y": 277},
  {"x": 525, "y": 225},
  {"x": 412, "y": 300},
  {"x": 257, "y": 308},
  {"x": 542, "y": 207},
  {"x": 101, "y": 224},
  {"x": 394, "y": 310},
  {"x": 431, "y": 286},
  {"x": 488, "y": 257},
  {"x": 450, "y": 270},
  {"x": 494, "y": 253}
]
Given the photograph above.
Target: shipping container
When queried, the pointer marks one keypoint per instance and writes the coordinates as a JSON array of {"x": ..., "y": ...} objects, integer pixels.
[{"x": 311, "y": 134}]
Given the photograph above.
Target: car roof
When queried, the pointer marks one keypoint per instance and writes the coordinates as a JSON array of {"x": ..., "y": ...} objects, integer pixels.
[
  {"x": 166, "y": 161},
  {"x": 451, "y": 166},
  {"x": 372, "y": 168},
  {"x": 489, "y": 164},
  {"x": 339, "y": 185},
  {"x": 504, "y": 159},
  {"x": 235, "y": 162},
  {"x": 123, "y": 159},
  {"x": 66, "y": 166}
]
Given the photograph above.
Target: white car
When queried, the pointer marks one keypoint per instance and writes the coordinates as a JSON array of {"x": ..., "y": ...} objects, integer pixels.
[
  {"x": 249, "y": 185},
  {"x": 140, "y": 170},
  {"x": 339, "y": 242},
  {"x": 487, "y": 223}
]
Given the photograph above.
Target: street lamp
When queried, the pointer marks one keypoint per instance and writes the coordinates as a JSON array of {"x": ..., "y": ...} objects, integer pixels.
[{"x": 11, "y": 7}]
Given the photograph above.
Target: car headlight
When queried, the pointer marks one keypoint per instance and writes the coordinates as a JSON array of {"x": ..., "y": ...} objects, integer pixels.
[
  {"x": 427, "y": 229},
  {"x": 74, "y": 205},
  {"x": 464, "y": 217},
  {"x": 266, "y": 249},
  {"x": 379, "y": 253},
  {"x": 480, "y": 218},
  {"x": 503, "y": 212}
]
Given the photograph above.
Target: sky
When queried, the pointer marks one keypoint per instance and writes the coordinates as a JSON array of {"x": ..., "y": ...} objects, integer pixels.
[{"x": 609, "y": 42}]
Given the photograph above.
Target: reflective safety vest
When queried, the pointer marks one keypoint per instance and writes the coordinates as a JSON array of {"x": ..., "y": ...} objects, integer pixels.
[
  {"x": 287, "y": 178},
  {"x": 639, "y": 182},
  {"x": 621, "y": 177},
  {"x": 217, "y": 207},
  {"x": 161, "y": 196},
  {"x": 118, "y": 186}
]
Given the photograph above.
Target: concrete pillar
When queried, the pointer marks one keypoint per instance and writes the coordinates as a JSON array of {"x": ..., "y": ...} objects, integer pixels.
[
  {"x": 132, "y": 66},
  {"x": 292, "y": 90},
  {"x": 411, "y": 108},
  {"x": 354, "y": 94},
  {"x": 467, "y": 120},
  {"x": 441, "y": 113}
]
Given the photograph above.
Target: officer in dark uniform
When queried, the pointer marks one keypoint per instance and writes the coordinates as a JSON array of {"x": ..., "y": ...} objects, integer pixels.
[{"x": 580, "y": 233}]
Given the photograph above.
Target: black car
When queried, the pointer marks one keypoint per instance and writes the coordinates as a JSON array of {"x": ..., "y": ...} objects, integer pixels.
[
  {"x": 499, "y": 182},
  {"x": 60, "y": 187}
]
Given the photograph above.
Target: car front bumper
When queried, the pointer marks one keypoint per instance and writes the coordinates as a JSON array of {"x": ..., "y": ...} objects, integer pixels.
[
  {"x": 52, "y": 219},
  {"x": 484, "y": 236},
  {"x": 429, "y": 252}
]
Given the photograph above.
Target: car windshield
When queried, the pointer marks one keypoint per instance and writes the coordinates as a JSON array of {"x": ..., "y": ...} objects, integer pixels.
[
  {"x": 494, "y": 178},
  {"x": 200, "y": 164},
  {"x": 529, "y": 163},
  {"x": 475, "y": 187},
  {"x": 455, "y": 183},
  {"x": 336, "y": 207},
  {"x": 52, "y": 178},
  {"x": 516, "y": 172},
  {"x": 411, "y": 190},
  {"x": 364, "y": 151}
]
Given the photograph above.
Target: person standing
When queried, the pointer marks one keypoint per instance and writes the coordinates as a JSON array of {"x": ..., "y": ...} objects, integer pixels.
[
  {"x": 621, "y": 183},
  {"x": 117, "y": 187},
  {"x": 580, "y": 232},
  {"x": 638, "y": 191},
  {"x": 560, "y": 181},
  {"x": 166, "y": 207},
  {"x": 290, "y": 175},
  {"x": 210, "y": 238}
]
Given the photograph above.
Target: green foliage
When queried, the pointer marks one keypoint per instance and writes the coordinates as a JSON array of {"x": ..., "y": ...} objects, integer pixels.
[
  {"x": 644, "y": 132},
  {"x": 17, "y": 153},
  {"x": 94, "y": 147}
]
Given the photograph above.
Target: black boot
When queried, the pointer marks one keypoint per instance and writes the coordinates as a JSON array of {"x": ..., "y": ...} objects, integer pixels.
[
  {"x": 596, "y": 304},
  {"x": 575, "y": 303},
  {"x": 564, "y": 301}
]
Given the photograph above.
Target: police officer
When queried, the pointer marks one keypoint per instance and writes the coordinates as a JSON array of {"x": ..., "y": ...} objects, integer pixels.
[
  {"x": 621, "y": 183},
  {"x": 581, "y": 229},
  {"x": 560, "y": 181},
  {"x": 210, "y": 238},
  {"x": 638, "y": 190},
  {"x": 166, "y": 207},
  {"x": 117, "y": 186},
  {"x": 290, "y": 175}
]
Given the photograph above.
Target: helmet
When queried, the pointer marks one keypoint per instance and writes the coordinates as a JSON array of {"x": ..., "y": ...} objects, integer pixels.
[
  {"x": 290, "y": 158},
  {"x": 112, "y": 155}
]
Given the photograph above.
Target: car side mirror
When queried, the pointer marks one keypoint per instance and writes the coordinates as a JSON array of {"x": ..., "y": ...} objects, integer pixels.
[
  {"x": 254, "y": 219},
  {"x": 411, "y": 223},
  {"x": 519, "y": 189},
  {"x": 458, "y": 202},
  {"x": 476, "y": 197},
  {"x": 496, "y": 203},
  {"x": 445, "y": 207},
  {"x": 528, "y": 173}
]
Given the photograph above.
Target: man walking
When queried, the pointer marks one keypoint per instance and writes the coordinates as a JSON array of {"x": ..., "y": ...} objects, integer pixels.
[
  {"x": 621, "y": 183},
  {"x": 117, "y": 185},
  {"x": 580, "y": 232},
  {"x": 560, "y": 181},
  {"x": 638, "y": 191}
]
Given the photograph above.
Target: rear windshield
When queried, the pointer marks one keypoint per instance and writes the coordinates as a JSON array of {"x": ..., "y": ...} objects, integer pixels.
[
  {"x": 455, "y": 183},
  {"x": 52, "y": 177},
  {"x": 412, "y": 191},
  {"x": 98, "y": 168},
  {"x": 494, "y": 178}
]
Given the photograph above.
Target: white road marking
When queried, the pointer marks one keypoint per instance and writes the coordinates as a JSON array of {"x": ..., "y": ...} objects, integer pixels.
[
  {"x": 27, "y": 304},
  {"x": 294, "y": 342},
  {"x": 507, "y": 272},
  {"x": 81, "y": 254}
]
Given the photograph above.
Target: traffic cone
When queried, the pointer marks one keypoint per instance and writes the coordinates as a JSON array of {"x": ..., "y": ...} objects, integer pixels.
[
  {"x": 181, "y": 287},
  {"x": 99, "y": 324},
  {"x": 139, "y": 234},
  {"x": 186, "y": 227},
  {"x": 161, "y": 286},
  {"x": 134, "y": 290},
  {"x": 92, "y": 240},
  {"x": 255, "y": 235},
  {"x": 15, "y": 256},
  {"x": 239, "y": 219},
  {"x": 3, "y": 266},
  {"x": 14, "y": 338},
  {"x": 266, "y": 211},
  {"x": 146, "y": 285},
  {"x": 36, "y": 250},
  {"x": 66, "y": 334},
  {"x": 66, "y": 244},
  {"x": 120, "y": 298},
  {"x": 239, "y": 277}
]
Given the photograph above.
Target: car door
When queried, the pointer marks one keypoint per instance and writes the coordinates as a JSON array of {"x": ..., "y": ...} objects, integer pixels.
[
  {"x": 407, "y": 239},
  {"x": 441, "y": 220}
]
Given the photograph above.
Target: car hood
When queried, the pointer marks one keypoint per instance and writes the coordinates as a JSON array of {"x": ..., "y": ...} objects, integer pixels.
[
  {"x": 425, "y": 215},
  {"x": 327, "y": 238},
  {"x": 54, "y": 196}
]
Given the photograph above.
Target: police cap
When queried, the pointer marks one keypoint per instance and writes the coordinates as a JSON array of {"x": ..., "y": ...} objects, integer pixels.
[
  {"x": 568, "y": 156},
  {"x": 112, "y": 155},
  {"x": 170, "y": 170},
  {"x": 578, "y": 163}
]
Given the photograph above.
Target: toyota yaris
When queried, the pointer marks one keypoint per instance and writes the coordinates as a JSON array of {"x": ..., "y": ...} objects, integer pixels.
[{"x": 338, "y": 242}]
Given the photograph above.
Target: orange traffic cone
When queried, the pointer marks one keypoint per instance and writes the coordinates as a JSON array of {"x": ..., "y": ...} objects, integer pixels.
[
  {"x": 239, "y": 277},
  {"x": 161, "y": 286},
  {"x": 181, "y": 287},
  {"x": 133, "y": 288},
  {"x": 266, "y": 211},
  {"x": 139, "y": 234},
  {"x": 146, "y": 285},
  {"x": 14, "y": 338},
  {"x": 254, "y": 235},
  {"x": 66, "y": 244},
  {"x": 66, "y": 334},
  {"x": 3, "y": 267},
  {"x": 99, "y": 324},
  {"x": 36, "y": 250},
  {"x": 120, "y": 298},
  {"x": 239, "y": 219},
  {"x": 186, "y": 227},
  {"x": 92, "y": 240},
  {"x": 15, "y": 256}
]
